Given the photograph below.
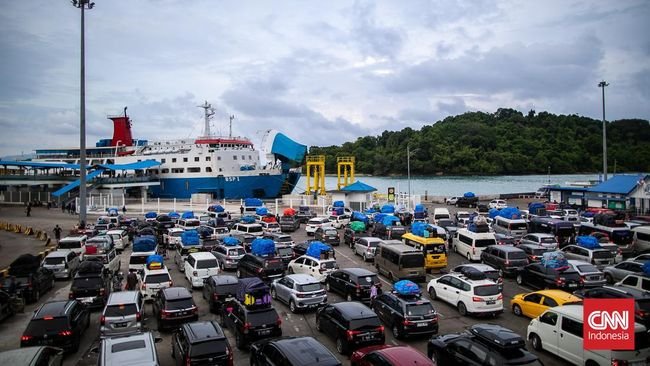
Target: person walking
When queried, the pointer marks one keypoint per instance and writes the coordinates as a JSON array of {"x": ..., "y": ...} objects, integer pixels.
[
  {"x": 124, "y": 210},
  {"x": 57, "y": 233},
  {"x": 131, "y": 280},
  {"x": 373, "y": 293},
  {"x": 28, "y": 210}
]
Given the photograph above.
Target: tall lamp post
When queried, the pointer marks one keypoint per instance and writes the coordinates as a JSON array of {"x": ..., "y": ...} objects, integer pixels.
[
  {"x": 82, "y": 5},
  {"x": 602, "y": 85},
  {"x": 408, "y": 171}
]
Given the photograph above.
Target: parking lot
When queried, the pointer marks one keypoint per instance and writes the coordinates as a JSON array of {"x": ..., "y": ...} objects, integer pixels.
[{"x": 292, "y": 324}]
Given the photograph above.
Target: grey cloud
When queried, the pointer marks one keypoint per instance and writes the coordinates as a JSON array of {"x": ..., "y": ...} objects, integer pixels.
[{"x": 374, "y": 39}]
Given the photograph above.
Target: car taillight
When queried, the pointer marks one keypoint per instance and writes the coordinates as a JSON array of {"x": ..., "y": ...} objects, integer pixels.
[
  {"x": 500, "y": 297},
  {"x": 230, "y": 356},
  {"x": 507, "y": 262},
  {"x": 247, "y": 326},
  {"x": 640, "y": 313},
  {"x": 358, "y": 289},
  {"x": 102, "y": 291},
  {"x": 407, "y": 322},
  {"x": 559, "y": 281},
  {"x": 71, "y": 295},
  {"x": 215, "y": 296},
  {"x": 65, "y": 333},
  {"x": 194, "y": 310},
  {"x": 29, "y": 284},
  {"x": 138, "y": 316},
  {"x": 102, "y": 320},
  {"x": 616, "y": 362},
  {"x": 164, "y": 314},
  {"x": 171, "y": 283},
  {"x": 476, "y": 299},
  {"x": 25, "y": 338},
  {"x": 380, "y": 329},
  {"x": 351, "y": 333},
  {"x": 278, "y": 321},
  {"x": 144, "y": 286},
  {"x": 188, "y": 360}
]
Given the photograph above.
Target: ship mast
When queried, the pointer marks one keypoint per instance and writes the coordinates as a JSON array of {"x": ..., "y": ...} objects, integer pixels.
[{"x": 208, "y": 112}]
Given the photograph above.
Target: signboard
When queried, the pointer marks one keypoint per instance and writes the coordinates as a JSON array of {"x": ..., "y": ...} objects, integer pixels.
[{"x": 391, "y": 194}]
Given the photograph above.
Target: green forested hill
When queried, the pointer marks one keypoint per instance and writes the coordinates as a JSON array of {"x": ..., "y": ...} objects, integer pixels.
[{"x": 506, "y": 142}]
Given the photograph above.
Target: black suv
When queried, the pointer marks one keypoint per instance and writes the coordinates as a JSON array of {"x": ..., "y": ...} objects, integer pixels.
[
  {"x": 289, "y": 223},
  {"x": 483, "y": 344},
  {"x": 174, "y": 306},
  {"x": 304, "y": 214},
  {"x": 57, "y": 323},
  {"x": 28, "y": 278},
  {"x": 328, "y": 235},
  {"x": 250, "y": 325},
  {"x": 388, "y": 232},
  {"x": 164, "y": 222},
  {"x": 539, "y": 276},
  {"x": 467, "y": 202},
  {"x": 508, "y": 260},
  {"x": 201, "y": 343},
  {"x": 91, "y": 286},
  {"x": 292, "y": 351},
  {"x": 406, "y": 315},
  {"x": 641, "y": 299},
  {"x": 352, "y": 324},
  {"x": 353, "y": 283},
  {"x": 266, "y": 268},
  {"x": 350, "y": 236},
  {"x": 217, "y": 289}
]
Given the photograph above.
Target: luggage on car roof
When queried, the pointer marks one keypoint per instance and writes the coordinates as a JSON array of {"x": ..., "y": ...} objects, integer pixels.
[
  {"x": 90, "y": 267},
  {"x": 406, "y": 288},
  {"x": 253, "y": 293}
]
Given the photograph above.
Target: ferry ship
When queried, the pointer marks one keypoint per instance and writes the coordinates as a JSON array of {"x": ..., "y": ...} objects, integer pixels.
[{"x": 222, "y": 166}]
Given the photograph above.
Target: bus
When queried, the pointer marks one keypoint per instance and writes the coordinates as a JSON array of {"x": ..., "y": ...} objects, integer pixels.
[
  {"x": 433, "y": 248},
  {"x": 564, "y": 231}
]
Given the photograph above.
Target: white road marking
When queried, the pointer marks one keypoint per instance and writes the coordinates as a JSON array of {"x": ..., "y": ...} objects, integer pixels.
[
  {"x": 297, "y": 329},
  {"x": 393, "y": 342}
]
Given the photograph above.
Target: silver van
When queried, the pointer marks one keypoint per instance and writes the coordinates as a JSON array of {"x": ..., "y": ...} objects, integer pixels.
[
  {"x": 228, "y": 256},
  {"x": 76, "y": 244},
  {"x": 516, "y": 228},
  {"x": 399, "y": 261},
  {"x": 137, "y": 349},
  {"x": 123, "y": 314},
  {"x": 62, "y": 263}
]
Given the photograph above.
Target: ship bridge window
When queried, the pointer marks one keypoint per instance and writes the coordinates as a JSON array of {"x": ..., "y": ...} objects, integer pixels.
[
  {"x": 184, "y": 160},
  {"x": 196, "y": 158},
  {"x": 178, "y": 170},
  {"x": 162, "y": 161},
  {"x": 164, "y": 171},
  {"x": 234, "y": 157},
  {"x": 194, "y": 170},
  {"x": 221, "y": 170},
  {"x": 218, "y": 157},
  {"x": 250, "y": 157},
  {"x": 243, "y": 157},
  {"x": 173, "y": 160},
  {"x": 207, "y": 158},
  {"x": 208, "y": 170}
]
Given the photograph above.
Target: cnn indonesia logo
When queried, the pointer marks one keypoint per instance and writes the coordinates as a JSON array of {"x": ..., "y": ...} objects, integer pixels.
[{"x": 609, "y": 324}]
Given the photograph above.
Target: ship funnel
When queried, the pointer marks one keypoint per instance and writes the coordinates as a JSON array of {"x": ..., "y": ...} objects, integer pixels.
[{"x": 121, "y": 130}]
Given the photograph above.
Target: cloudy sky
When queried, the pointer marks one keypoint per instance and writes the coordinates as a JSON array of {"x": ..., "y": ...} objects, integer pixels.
[{"x": 322, "y": 72}]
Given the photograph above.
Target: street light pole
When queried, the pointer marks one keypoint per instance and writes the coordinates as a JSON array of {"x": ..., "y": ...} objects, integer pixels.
[
  {"x": 408, "y": 172},
  {"x": 82, "y": 4},
  {"x": 602, "y": 85}
]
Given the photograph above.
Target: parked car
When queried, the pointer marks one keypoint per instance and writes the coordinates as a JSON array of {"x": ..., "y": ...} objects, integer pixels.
[
  {"x": 538, "y": 276},
  {"x": 505, "y": 239},
  {"x": 270, "y": 227},
  {"x": 316, "y": 223},
  {"x": 280, "y": 239},
  {"x": 134, "y": 349},
  {"x": 33, "y": 356},
  {"x": 154, "y": 280},
  {"x": 366, "y": 247},
  {"x": 299, "y": 292},
  {"x": 639, "y": 282},
  {"x": 63, "y": 264},
  {"x": 498, "y": 204},
  {"x": 508, "y": 260},
  {"x": 174, "y": 306},
  {"x": 490, "y": 272},
  {"x": 470, "y": 296},
  {"x": 544, "y": 240},
  {"x": 90, "y": 286},
  {"x": 289, "y": 223},
  {"x": 250, "y": 325},
  {"x": 382, "y": 231},
  {"x": 389, "y": 355},
  {"x": 315, "y": 267},
  {"x": 27, "y": 277},
  {"x": 201, "y": 343},
  {"x": 291, "y": 351},
  {"x": 304, "y": 214},
  {"x": 534, "y": 303},
  {"x": 483, "y": 344},
  {"x": 199, "y": 266},
  {"x": 534, "y": 252},
  {"x": 57, "y": 323},
  {"x": 266, "y": 268},
  {"x": 451, "y": 200},
  {"x": 339, "y": 221},
  {"x": 617, "y": 272},
  {"x": 353, "y": 283},
  {"x": 120, "y": 239},
  {"x": 351, "y": 324},
  {"x": 123, "y": 314},
  {"x": 350, "y": 236},
  {"x": 641, "y": 299},
  {"x": 228, "y": 256},
  {"x": 589, "y": 274},
  {"x": 328, "y": 235},
  {"x": 219, "y": 289},
  {"x": 406, "y": 315},
  {"x": 598, "y": 257}
]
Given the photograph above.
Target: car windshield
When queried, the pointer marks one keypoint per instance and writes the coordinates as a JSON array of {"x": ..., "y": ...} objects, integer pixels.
[
  {"x": 547, "y": 240},
  {"x": 236, "y": 252},
  {"x": 54, "y": 261},
  {"x": 331, "y": 232},
  {"x": 412, "y": 261},
  {"x": 179, "y": 304},
  {"x": 71, "y": 244},
  {"x": 255, "y": 229},
  {"x": 285, "y": 252},
  {"x": 482, "y": 243},
  {"x": 486, "y": 290},
  {"x": 157, "y": 278},
  {"x": 262, "y": 317},
  {"x": 207, "y": 348},
  {"x": 207, "y": 263},
  {"x": 435, "y": 248},
  {"x": 419, "y": 309},
  {"x": 38, "y": 327},
  {"x": 587, "y": 268},
  {"x": 87, "y": 282},
  {"x": 310, "y": 287},
  {"x": 120, "y": 310},
  {"x": 517, "y": 255}
]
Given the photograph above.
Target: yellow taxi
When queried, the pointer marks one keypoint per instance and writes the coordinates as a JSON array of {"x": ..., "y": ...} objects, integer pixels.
[{"x": 534, "y": 303}]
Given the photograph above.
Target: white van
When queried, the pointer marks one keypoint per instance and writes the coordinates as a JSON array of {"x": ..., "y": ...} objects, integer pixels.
[
  {"x": 559, "y": 331},
  {"x": 512, "y": 227},
  {"x": 470, "y": 244},
  {"x": 75, "y": 244},
  {"x": 440, "y": 214},
  {"x": 199, "y": 266},
  {"x": 251, "y": 229},
  {"x": 120, "y": 239},
  {"x": 641, "y": 239}
]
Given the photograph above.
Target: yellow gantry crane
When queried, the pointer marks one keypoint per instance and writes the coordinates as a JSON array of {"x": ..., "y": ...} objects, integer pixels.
[
  {"x": 344, "y": 164},
  {"x": 316, "y": 170}
]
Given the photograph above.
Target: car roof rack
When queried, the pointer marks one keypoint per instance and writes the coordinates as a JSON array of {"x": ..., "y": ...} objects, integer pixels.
[
  {"x": 497, "y": 336},
  {"x": 473, "y": 273}
]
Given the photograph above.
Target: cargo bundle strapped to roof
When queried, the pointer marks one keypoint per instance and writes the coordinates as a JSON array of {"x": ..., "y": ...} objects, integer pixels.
[
  {"x": 390, "y": 220},
  {"x": 174, "y": 215},
  {"x": 338, "y": 211},
  {"x": 230, "y": 241},
  {"x": 155, "y": 262},
  {"x": 248, "y": 219},
  {"x": 555, "y": 259},
  {"x": 253, "y": 293},
  {"x": 90, "y": 267},
  {"x": 216, "y": 208},
  {"x": 406, "y": 288},
  {"x": 646, "y": 268},
  {"x": 358, "y": 216},
  {"x": 588, "y": 242},
  {"x": 263, "y": 247},
  {"x": 498, "y": 336},
  {"x": 422, "y": 229},
  {"x": 478, "y": 224},
  {"x": 338, "y": 204},
  {"x": 289, "y": 212},
  {"x": 469, "y": 195},
  {"x": 508, "y": 213},
  {"x": 419, "y": 208},
  {"x": 145, "y": 243},
  {"x": 378, "y": 217},
  {"x": 261, "y": 211},
  {"x": 318, "y": 250},
  {"x": 190, "y": 237},
  {"x": 187, "y": 215},
  {"x": 113, "y": 211},
  {"x": 357, "y": 226},
  {"x": 269, "y": 218},
  {"x": 388, "y": 209},
  {"x": 537, "y": 208},
  {"x": 253, "y": 202},
  {"x": 150, "y": 215}
]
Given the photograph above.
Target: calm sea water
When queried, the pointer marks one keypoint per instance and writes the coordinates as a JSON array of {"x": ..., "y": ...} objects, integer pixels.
[{"x": 457, "y": 185}]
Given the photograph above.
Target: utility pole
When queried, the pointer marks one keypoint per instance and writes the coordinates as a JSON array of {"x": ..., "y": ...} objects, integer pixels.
[
  {"x": 82, "y": 4},
  {"x": 602, "y": 85}
]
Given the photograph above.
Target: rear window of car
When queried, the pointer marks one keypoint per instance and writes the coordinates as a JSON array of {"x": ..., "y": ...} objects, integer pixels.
[
  {"x": 602, "y": 254},
  {"x": 255, "y": 229},
  {"x": 284, "y": 252},
  {"x": 207, "y": 263},
  {"x": 120, "y": 310},
  {"x": 331, "y": 232},
  {"x": 179, "y": 304},
  {"x": 207, "y": 348},
  {"x": 54, "y": 261},
  {"x": 368, "y": 280},
  {"x": 412, "y": 261},
  {"x": 262, "y": 317},
  {"x": 41, "y": 326},
  {"x": 547, "y": 240},
  {"x": 128, "y": 346},
  {"x": 486, "y": 290},
  {"x": 226, "y": 289},
  {"x": 309, "y": 287},
  {"x": 328, "y": 264},
  {"x": 72, "y": 244},
  {"x": 517, "y": 255},
  {"x": 587, "y": 268},
  {"x": 482, "y": 243},
  {"x": 419, "y": 309},
  {"x": 273, "y": 263},
  {"x": 236, "y": 252},
  {"x": 518, "y": 226},
  {"x": 87, "y": 282},
  {"x": 372, "y": 322},
  {"x": 137, "y": 259},
  {"x": 157, "y": 278},
  {"x": 538, "y": 251}
]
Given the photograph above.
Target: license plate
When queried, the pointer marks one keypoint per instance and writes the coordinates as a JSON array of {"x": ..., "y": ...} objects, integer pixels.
[
  {"x": 87, "y": 300},
  {"x": 183, "y": 313},
  {"x": 120, "y": 325},
  {"x": 491, "y": 302},
  {"x": 573, "y": 285},
  {"x": 264, "y": 332},
  {"x": 422, "y": 324}
]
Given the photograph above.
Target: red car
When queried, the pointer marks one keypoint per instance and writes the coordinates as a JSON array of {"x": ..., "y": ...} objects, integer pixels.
[{"x": 389, "y": 355}]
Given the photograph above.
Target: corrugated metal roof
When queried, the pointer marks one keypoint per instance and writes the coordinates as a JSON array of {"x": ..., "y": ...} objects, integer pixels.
[{"x": 619, "y": 184}]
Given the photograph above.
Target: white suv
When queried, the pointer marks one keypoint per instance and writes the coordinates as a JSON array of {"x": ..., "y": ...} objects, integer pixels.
[
  {"x": 271, "y": 227},
  {"x": 173, "y": 237},
  {"x": 499, "y": 204},
  {"x": 339, "y": 221},
  {"x": 315, "y": 223},
  {"x": 317, "y": 268},
  {"x": 199, "y": 266},
  {"x": 469, "y": 296},
  {"x": 153, "y": 281}
]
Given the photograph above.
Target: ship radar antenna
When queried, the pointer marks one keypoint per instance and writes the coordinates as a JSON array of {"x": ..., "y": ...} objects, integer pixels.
[
  {"x": 230, "y": 126},
  {"x": 208, "y": 112}
]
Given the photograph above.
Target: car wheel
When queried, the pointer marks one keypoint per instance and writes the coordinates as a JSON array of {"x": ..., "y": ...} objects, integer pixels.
[
  {"x": 340, "y": 347},
  {"x": 519, "y": 280},
  {"x": 535, "y": 342},
  {"x": 432, "y": 294},
  {"x": 349, "y": 297},
  {"x": 462, "y": 309},
  {"x": 365, "y": 259},
  {"x": 292, "y": 306},
  {"x": 239, "y": 340},
  {"x": 609, "y": 278},
  {"x": 435, "y": 357},
  {"x": 469, "y": 257},
  {"x": 396, "y": 332},
  {"x": 290, "y": 270},
  {"x": 516, "y": 309},
  {"x": 274, "y": 294}
]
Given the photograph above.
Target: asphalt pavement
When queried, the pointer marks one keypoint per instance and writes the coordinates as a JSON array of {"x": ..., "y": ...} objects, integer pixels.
[{"x": 302, "y": 324}]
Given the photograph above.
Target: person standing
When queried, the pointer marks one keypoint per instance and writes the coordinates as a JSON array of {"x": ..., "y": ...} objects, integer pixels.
[
  {"x": 124, "y": 210},
  {"x": 241, "y": 210},
  {"x": 28, "y": 210},
  {"x": 57, "y": 233},
  {"x": 373, "y": 293},
  {"x": 131, "y": 281}
]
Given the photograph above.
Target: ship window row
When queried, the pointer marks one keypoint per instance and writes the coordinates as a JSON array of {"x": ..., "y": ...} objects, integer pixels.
[
  {"x": 243, "y": 157},
  {"x": 189, "y": 170}
]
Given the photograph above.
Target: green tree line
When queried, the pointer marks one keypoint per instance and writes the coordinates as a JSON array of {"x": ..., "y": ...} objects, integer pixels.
[{"x": 505, "y": 142}]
